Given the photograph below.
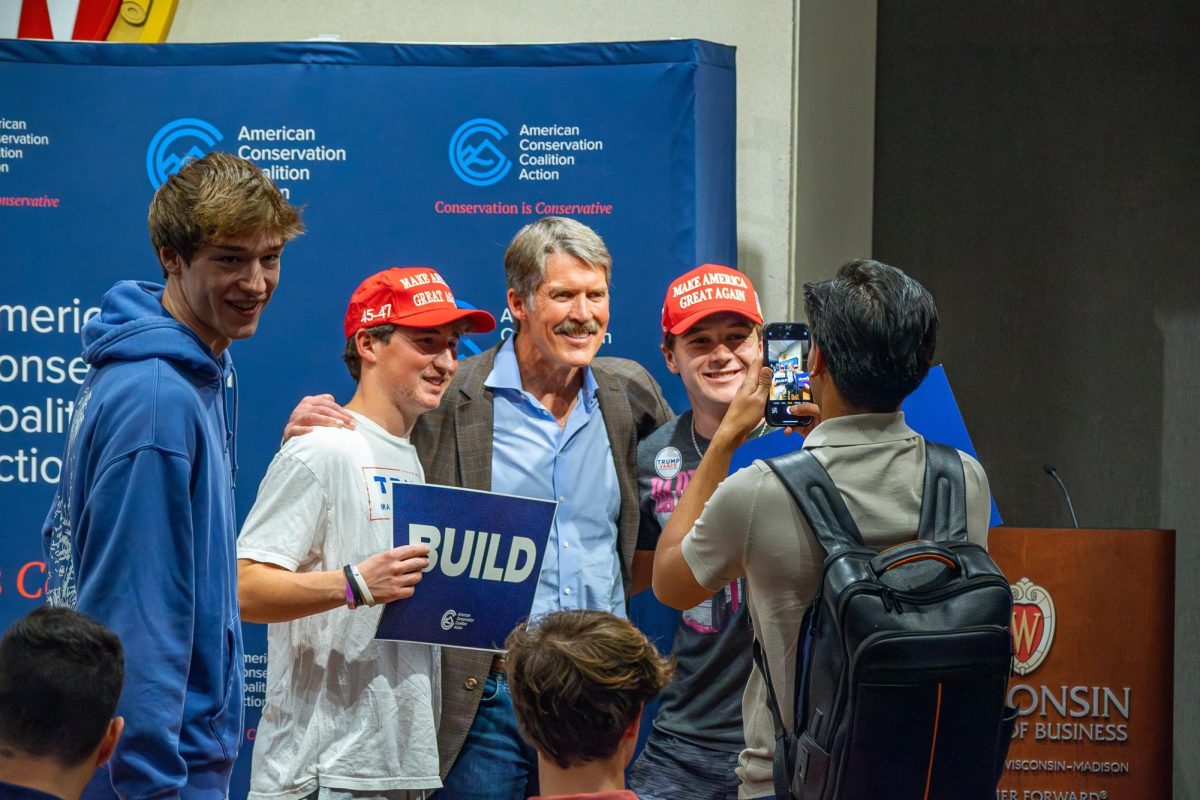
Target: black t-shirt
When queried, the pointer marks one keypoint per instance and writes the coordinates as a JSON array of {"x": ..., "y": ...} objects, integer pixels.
[{"x": 703, "y": 703}]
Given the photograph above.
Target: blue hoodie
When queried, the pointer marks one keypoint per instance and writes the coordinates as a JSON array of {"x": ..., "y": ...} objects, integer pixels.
[{"x": 141, "y": 536}]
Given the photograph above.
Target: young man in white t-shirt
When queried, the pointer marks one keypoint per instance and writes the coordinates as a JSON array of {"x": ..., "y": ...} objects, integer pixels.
[{"x": 347, "y": 716}]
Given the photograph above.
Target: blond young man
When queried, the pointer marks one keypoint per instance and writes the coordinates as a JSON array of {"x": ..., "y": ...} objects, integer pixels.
[
  {"x": 141, "y": 532},
  {"x": 348, "y": 716},
  {"x": 580, "y": 680}
]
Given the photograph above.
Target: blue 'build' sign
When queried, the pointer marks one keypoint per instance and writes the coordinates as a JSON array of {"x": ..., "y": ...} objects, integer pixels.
[{"x": 485, "y": 556}]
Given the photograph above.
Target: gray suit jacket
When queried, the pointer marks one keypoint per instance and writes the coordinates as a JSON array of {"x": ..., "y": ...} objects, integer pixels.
[{"x": 454, "y": 443}]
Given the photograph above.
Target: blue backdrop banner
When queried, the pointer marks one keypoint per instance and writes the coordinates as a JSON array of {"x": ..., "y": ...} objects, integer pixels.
[
  {"x": 400, "y": 154},
  {"x": 485, "y": 555}
]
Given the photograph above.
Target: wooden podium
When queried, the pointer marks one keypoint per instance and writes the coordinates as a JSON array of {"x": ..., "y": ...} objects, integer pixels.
[{"x": 1093, "y": 631}]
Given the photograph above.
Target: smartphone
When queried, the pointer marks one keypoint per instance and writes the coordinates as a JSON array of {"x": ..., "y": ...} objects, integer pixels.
[{"x": 786, "y": 353}]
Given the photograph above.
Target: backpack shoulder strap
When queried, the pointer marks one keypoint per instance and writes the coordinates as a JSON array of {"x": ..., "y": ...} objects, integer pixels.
[
  {"x": 944, "y": 501},
  {"x": 781, "y": 766},
  {"x": 819, "y": 500}
]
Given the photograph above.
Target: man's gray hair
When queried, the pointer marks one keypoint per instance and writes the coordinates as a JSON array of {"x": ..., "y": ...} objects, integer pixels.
[{"x": 525, "y": 258}]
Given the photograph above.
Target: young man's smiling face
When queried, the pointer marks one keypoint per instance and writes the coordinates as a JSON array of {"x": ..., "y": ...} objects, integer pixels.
[
  {"x": 221, "y": 292},
  {"x": 414, "y": 367},
  {"x": 711, "y": 358}
]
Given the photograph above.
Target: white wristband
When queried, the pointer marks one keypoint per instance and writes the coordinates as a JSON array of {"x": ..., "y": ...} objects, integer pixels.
[{"x": 361, "y": 583}]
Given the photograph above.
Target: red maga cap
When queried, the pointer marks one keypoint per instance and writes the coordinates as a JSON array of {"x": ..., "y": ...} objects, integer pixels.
[
  {"x": 415, "y": 297},
  {"x": 708, "y": 289}
]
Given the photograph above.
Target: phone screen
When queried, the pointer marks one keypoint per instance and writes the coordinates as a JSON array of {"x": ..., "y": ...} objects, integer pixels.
[{"x": 787, "y": 356}]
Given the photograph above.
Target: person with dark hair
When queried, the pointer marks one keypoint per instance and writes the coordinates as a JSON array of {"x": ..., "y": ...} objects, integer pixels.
[
  {"x": 60, "y": 678},
  {"x": 141, "y": 532},
  {"x": 877, "y": 330},
  {"x": 873, "y": 335},
  {"x": 348, "y": 716},
  {"x": 579, "y": 682}
]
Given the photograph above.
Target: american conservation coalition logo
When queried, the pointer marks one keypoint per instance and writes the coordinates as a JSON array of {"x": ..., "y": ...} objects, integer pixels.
[
  {"x": 455, "y": 620},
  {"x": 474, "y": 153},
  {"x": 1032, "y": 625},
  {"x": 177, "y": 143}
]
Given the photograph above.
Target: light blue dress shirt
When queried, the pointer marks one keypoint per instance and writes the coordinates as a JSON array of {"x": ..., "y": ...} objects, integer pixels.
[{"x": 533, "y": 457}]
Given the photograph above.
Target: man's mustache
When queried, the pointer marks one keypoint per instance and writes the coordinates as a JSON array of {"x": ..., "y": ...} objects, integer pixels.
[{"x": 572, "y": 328}]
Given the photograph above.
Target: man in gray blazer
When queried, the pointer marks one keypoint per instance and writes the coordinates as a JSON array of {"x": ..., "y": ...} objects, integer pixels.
[{"x": 541, "y": 416}]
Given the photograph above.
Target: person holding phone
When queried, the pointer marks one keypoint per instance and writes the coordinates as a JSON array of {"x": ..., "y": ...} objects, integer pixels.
[
  {"x": 712, "y": 329},
  {"x": 874, "y": 330}
]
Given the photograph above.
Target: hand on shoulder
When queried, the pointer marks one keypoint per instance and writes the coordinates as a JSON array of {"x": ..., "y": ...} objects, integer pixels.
[{"x": 316, "y": 411}]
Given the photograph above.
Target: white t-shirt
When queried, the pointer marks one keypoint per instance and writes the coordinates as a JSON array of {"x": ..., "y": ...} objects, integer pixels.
[{"x": 343, "y": 711}]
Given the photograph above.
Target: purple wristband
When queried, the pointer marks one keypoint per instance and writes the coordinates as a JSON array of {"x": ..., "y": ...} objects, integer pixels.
[{"x": 350, "y": 597}]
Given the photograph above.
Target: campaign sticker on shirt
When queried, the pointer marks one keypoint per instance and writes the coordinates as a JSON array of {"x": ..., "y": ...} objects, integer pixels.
[{"x": 667, "y": 462}]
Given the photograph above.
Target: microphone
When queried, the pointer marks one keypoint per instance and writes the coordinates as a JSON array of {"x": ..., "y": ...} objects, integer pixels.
[{"x": 1053, "y": 473}]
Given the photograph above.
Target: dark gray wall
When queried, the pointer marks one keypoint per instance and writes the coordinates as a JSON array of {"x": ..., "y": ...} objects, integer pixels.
[{"x": 1036, "y": 167}]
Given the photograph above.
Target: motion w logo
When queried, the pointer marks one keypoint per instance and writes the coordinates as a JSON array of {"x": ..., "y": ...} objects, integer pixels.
[
  {"x": 1033, "y": 622},
  {"x": 1027, "y": 629}
]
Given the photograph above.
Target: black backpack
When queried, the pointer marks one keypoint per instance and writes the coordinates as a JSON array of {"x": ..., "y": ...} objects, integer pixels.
[{"x": 904, "y": 655}]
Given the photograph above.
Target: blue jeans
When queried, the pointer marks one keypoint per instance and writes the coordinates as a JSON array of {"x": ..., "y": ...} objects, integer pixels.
[
  {"x": 495, "y": 763},
  {"x": 670, "y": 768}
]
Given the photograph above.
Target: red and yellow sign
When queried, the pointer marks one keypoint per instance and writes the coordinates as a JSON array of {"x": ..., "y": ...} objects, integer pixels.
[{"x": 144, "y": 21}]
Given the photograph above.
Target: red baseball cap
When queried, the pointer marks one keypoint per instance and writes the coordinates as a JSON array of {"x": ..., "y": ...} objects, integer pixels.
[
  {"x": 415, "y": 297},
  {"x": 708, "y": 289}
]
